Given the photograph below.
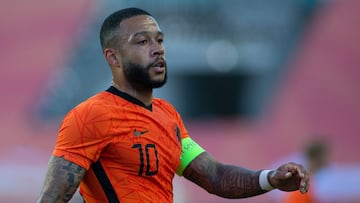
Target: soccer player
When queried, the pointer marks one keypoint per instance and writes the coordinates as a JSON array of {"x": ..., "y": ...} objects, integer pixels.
[{"x": 123, "y": 145}]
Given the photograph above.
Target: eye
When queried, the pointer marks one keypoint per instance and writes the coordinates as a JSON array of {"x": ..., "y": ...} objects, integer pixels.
[
  {"x": 143, "y": 42},
  {"x": 160, "y": 41}
]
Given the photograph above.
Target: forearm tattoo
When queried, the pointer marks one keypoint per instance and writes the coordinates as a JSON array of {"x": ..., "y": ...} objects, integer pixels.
[
  {"x": 223, "y": 180},
  {"x": 61, "y": 181}
]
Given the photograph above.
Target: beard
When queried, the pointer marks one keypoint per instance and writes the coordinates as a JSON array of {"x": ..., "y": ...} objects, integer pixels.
[{"x": 139, "y": 76}]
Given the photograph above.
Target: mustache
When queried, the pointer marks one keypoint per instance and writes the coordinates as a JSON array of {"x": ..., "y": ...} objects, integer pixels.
[{"x": 160, "y": 60}]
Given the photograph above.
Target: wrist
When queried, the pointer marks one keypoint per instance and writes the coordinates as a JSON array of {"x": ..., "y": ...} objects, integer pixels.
[{"x": 264, "y": 180}]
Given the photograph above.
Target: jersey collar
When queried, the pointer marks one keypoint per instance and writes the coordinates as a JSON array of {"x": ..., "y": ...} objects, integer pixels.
[{"x": 128, "y": 97}]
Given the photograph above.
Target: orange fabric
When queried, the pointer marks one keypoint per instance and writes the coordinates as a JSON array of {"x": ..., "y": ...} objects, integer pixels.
[
  {"x": 297, "y": 197},
  {"x": 139, "y": 149}
]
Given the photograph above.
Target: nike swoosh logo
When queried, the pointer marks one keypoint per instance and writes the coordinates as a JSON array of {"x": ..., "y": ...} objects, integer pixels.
[{"x": 139, "y": 133}]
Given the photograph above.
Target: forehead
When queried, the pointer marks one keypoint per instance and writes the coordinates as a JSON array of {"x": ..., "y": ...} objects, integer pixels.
[{"x": 136, "y": 24}]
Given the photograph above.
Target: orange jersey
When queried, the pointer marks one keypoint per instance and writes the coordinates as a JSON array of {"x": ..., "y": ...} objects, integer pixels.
[
  {"x": 131, "y": 152},
  {"x": 297, "y": 197}
]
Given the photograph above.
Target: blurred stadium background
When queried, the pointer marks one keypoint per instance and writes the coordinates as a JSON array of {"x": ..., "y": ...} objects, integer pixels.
[{"x": 253, "y": 79}]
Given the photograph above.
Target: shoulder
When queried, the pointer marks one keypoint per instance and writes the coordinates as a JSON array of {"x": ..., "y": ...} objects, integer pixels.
[
  {"x": 90, "y": 114},
  {"x": 162, "y": 103},
  {"x": 99, "y": 100},
  {"x": 166, "y": 107},
  {"x": 93, "y": 106}
]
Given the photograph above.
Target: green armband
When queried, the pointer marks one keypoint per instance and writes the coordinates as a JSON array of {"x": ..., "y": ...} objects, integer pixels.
[{"x": 190, "y": 150}]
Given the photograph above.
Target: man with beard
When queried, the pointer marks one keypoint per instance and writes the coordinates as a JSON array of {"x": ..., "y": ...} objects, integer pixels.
[{"x": 123, "y": 145}]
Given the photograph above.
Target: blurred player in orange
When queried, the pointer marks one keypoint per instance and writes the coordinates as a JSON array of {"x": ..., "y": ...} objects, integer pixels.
[
  {"x": 316, "y": 153},
  {"x": 123, "y": 145}
]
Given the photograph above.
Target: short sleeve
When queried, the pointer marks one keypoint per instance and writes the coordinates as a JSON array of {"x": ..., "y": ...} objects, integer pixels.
[{"x": 82, "y": 134}]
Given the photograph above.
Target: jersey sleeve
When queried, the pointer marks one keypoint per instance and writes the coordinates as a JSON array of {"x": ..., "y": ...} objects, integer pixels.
[
  {"x": 82, "y": 135},
  {"x": 190, "y": 149}
]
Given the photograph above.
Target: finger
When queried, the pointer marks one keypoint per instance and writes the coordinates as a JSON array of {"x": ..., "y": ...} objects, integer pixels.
[
  {"x": 304, "y": 186},
  {"x": 282, "y": 175},
  {"x": 288, "y": 174},
  {"x": 307, "y": 182},
  {"x": 301, "y": 171},
  {"x": 304, "y": 183},
  {"x": 297, "y": 170}
]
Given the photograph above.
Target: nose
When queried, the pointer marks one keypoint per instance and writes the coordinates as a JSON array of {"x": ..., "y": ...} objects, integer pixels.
[{"x": 158, "y": 49}]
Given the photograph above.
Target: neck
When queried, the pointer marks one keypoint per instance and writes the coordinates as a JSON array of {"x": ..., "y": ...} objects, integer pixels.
[{"x": 144, "y": 96}]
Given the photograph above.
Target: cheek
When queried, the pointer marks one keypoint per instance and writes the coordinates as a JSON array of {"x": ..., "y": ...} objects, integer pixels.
[{"x": 139, "y": 56}]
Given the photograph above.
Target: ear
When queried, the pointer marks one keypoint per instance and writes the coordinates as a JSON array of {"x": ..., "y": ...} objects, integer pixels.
[{"x": 111, "y": 57}]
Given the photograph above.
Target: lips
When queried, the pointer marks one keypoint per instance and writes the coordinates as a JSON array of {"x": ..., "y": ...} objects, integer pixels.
[
  {"x": 159, "y": 66},
  {"x": 159, "y": 63}
]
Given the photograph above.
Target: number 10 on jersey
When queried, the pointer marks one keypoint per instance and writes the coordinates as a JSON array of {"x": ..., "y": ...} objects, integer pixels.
[{"x": 150, "y": 154}]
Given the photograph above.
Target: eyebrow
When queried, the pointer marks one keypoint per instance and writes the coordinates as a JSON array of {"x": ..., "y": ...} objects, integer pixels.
[{"x": 147, "y": 33}]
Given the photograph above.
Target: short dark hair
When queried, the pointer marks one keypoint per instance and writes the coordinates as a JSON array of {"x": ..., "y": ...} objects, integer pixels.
[{"x": 111, "y": 24}]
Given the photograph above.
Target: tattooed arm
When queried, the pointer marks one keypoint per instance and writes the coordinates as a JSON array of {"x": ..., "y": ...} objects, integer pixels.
[
  {"x": 61, "y": 181},
  {"x": 223, "y": 180},
  {"x": 236, "y": 182}
]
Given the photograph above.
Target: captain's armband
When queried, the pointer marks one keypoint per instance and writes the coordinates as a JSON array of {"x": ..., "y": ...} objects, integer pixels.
[{"x": 190, "y": 150}]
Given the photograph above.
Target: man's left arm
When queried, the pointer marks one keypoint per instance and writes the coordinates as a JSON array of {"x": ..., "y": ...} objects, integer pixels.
[{"x": 231, "y": 181}]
